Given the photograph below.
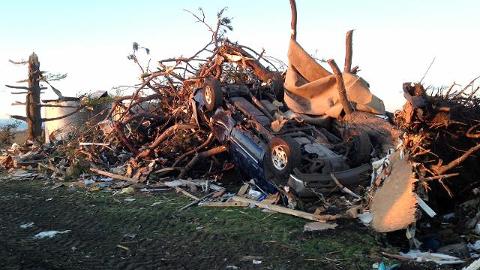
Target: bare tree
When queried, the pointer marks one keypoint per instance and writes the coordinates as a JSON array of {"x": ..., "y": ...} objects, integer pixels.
[{"x": 32, "y": 101}]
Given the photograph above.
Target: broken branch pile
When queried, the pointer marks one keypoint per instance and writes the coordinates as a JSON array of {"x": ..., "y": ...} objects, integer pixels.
[
  {"x": 442, "y": 139},
  {"x": 155, "y": 131}
]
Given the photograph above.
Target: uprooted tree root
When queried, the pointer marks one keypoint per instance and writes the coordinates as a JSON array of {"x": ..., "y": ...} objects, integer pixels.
[{"x": 442, "y": 140}]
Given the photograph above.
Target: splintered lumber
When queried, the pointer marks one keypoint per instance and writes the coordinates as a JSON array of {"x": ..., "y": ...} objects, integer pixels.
[
  {"x": 197, "y": 201},
  {"x": 186, "y": 193},
  {"x": 288, "y": 211},
  {"x": 114, "y": 176},
  {"x": 225, "y": 204}
]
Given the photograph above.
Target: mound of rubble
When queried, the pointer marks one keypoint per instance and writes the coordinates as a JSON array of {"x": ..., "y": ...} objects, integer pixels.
[{"x": 305, "y": 142}]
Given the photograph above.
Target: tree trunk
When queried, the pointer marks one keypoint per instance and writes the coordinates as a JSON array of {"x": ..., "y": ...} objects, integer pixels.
[{"x": 34, "y": 118}]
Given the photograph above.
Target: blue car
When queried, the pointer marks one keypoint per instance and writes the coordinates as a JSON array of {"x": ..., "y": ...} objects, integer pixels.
[{"x": 306, "y": 157}]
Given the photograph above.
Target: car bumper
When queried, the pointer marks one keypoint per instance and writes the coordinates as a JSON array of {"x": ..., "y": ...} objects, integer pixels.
[{"x": 307, "y": 185}]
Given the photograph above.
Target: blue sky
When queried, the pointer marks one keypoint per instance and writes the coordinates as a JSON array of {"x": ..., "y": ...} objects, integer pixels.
[{"x": 395, "y": 41}]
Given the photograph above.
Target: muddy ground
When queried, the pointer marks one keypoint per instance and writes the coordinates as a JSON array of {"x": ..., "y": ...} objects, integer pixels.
[{"x": 109, "y": 232}]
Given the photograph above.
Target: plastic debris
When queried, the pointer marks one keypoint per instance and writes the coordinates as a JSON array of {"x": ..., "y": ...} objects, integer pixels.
[
  {"x": 318, "y": 226},
  {"x": 473, "y": 266},
  {"x": 49, "y": 234},
  {"x": 438, "y": 258},
  {"x": 27, "y": 225}
]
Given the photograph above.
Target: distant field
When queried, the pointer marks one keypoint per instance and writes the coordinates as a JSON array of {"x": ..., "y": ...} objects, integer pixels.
[{"x": 22, "y": 125}]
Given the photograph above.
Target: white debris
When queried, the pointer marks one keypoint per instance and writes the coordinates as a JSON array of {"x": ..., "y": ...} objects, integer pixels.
[
  {"x": 365, "y": 217},
  {"x": 256, "y": 262},
  {"x": 475, "y": 246},
  {"x": 424, "y": 206},
  {"x": 253, "y": 194},
  {"x": 438, "y": 258},
  {"x": 473, "y": 266},
  {"x": 49, "y": 234},
  {"x": 129, "y": 199},
  {"x": 88, "y": 182},
  {"x": 27, "y": 225},
  {"x": 156, "y": 203},
  {"x": 318, "y": 226}
]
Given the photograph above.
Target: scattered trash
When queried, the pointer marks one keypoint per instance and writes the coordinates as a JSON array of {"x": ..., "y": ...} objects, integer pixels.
[
  {"x": 475, "y": 246},
  {"x": 438, "y": 258},
  {"x": 49, "y": 234},
  {"x": 318, "y": 226},
  {"x": 127, "y": 191},
  {"x": 383, "y": 266},
  {"x": 425, "y": 207},
  {"x": 473, "y": 266},
  {"x": 88, "y": 182},
  {"x": 27, "y": 225},
  {"x": 123, "y": 247},
  {"x": 366, "y": 218},
  {"x": 256, "y": 262}
]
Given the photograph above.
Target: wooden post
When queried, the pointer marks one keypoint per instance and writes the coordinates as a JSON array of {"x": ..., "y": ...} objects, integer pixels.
[
  {"x": 348, "y": 52},
  {"x": 342, "y": 92},
  {"x": 34, "y": 118}
]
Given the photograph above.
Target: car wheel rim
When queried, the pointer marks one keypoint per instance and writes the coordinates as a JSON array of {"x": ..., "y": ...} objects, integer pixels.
[
  {"x": 208, "y": 95},
  {"x": 279, "y": 157}
]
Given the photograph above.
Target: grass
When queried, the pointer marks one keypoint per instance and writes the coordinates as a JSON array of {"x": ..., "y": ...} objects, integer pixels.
[{"x": 212, "y": 235}]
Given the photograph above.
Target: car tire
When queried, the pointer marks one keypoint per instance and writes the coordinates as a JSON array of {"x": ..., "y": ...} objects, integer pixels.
[
  {"x": 212, "y": 94},
  {"x": 361, "y": 149},
  {"x": 283, "y": 155}
]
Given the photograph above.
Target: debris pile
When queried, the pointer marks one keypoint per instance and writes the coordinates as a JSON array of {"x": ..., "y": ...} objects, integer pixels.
[
  {"x": 441, "y": 141},
  {"x": 194, "y": 118}
]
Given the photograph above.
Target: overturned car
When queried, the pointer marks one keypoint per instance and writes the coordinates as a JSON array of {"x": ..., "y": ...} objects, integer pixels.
[{"x": 275, "y": 146}]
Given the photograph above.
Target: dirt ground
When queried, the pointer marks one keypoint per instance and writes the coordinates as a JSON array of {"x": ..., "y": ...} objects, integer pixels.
[{"x": 109, "y": 232}]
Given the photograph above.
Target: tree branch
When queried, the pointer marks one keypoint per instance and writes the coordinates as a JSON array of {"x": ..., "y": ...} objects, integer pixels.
[
  {"x": 22, "y": 87},
  {"x": 293, "y": 22},
  {"x": 18, "y": 117},
  {"x": 348, "y": 52},
  {"x": 454, "y": 163},
  {"x": 342, "y": 92}
]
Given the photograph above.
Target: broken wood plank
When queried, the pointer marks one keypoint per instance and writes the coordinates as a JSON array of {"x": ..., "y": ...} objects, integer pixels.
[
  {"x": 196, "y": 201},
  {"x": 225, "y": 204},
  {"x": 93, "y": 143},
  {"x": 114, "y": 176},
  {"x": 186, "y": 193},
  {"x": 288, "y": 211},
  {"x": 198, "y": 183}
]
